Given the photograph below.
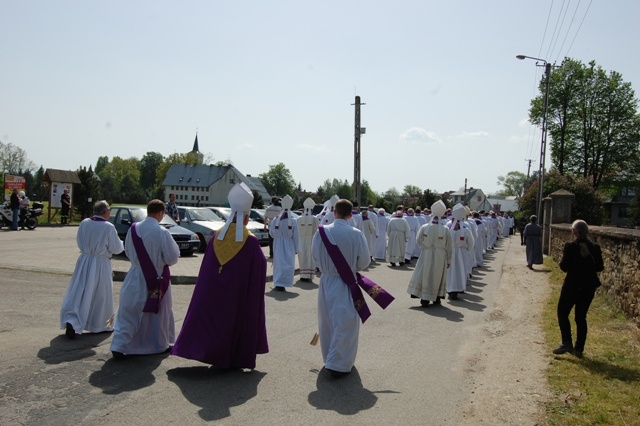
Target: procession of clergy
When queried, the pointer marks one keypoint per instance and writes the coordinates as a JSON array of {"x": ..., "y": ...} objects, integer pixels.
[
  {"x": 225, "y": 324},
  {"x": 448, "y": 243}
]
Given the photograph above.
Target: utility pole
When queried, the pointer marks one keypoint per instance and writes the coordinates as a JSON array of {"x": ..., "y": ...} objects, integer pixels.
[
  {"x": 357, "y": 183},
  {"x": 465, "y": 192},
  {"x": 529, "y": 161}
]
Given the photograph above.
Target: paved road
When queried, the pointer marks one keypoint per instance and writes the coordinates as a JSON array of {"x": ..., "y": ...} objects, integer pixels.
[{"x": 412, "y": 365}]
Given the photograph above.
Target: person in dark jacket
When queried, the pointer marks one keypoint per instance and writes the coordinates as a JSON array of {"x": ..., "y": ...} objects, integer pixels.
[
  {"x": 15, "y": 208},
  {"x": 581, "y": 260},
  {"x": 533, "y": 240}
]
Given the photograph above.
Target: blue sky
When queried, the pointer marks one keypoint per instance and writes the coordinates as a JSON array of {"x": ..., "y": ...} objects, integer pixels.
[{"x": 265, "y": 82}]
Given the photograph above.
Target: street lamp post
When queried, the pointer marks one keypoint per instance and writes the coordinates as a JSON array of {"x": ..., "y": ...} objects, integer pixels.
[{"x": 543, "y": 142}]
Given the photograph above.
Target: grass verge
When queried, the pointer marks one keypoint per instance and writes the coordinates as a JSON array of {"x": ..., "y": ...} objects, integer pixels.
[{"x": 603, "y": 388}]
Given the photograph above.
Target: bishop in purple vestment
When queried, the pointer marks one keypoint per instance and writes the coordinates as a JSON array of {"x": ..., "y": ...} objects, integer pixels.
[{"x": 225, "y": 323}]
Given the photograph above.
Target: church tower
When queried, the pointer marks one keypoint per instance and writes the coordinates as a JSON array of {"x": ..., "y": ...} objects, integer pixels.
[{"x": 196, "y": 151}]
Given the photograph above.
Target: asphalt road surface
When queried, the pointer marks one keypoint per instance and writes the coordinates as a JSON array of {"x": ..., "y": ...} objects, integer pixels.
[{"x": 411, "y": 369}]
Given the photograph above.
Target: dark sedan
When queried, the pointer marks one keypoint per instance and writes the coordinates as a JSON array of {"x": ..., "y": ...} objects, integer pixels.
[{"x": 123, "y": 216}]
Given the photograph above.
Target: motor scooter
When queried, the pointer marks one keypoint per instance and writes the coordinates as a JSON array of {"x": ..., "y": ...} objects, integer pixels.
[{"x": 29, "y": 219}]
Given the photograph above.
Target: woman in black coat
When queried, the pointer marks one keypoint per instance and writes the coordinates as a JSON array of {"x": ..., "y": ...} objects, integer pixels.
[
  {"x": 533, "y": 240},
  {"x": 581, "y": 260}
]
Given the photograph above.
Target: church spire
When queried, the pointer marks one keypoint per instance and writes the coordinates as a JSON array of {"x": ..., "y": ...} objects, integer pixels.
[{"x": 195, "y": 144}]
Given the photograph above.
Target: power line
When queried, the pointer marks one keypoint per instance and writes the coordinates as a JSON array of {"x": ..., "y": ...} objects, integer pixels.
[
  {"x": 573, "y": 18},
  {"x": 556, "y": 32},
  {"x": 545, "y": 29},
  {"x": 578, "y": 30}
]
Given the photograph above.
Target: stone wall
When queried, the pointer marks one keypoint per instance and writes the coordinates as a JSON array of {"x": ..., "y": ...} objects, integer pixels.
[{"x": 621, "y": 253}]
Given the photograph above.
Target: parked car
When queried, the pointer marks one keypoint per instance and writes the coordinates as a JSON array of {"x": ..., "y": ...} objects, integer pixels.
[
  {"x": 256, "y": 228},
  {"x": 202, "y": 221},
  {"x": 257, "y": 215},
  {"x": 123, "y": 216}
]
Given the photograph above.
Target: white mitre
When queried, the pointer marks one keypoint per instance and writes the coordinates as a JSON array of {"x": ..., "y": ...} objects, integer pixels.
[
  {"x": 438, "y": 209},
  {"x": 458, "y": 212},
  {"x": 308, "y": 205},
  {"x": 240, "y": 200}
]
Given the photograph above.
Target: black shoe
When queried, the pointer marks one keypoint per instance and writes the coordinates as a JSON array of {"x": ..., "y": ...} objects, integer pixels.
[
  {"x": 453, "y": 296},
  {"x": 407, "y": 262},
  {"x": 563, "y": 349},
  {"x": 69, "y": 331},
  {"x": 424, "y": 303},
  {"x": 578, "y": 354},
  {"x": 393, "y": 264},
  {"x": 118, "y": 355},
  {"x": 278, "y": 288},
  {"x": 437, "y": 301},
  {"x": 338, "y": 374}
]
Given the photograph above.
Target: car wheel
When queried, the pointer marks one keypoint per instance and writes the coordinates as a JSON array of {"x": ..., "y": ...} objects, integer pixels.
[{"x": 203, "y": 244}]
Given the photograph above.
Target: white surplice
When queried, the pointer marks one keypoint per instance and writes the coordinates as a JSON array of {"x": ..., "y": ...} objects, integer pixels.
[
  {"x": 429, "y": 279},
  {"x": 137, "y": 332},
  {"x": 88, "y": 301},
  {"x": 398, "y": 233},
  {"x": 286, "y": 244},
  {"x": 370, "y": 233},
  {"x": 380, "y": 252},
  {"x": 414, "y": 226},
  {"x": 307, "y": 227},
  {"x": 338, "y": 320},
  {"x": 457, "y": 273}
]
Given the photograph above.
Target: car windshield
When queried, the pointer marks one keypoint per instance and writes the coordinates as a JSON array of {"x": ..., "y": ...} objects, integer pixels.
[
  {"x": 223, "y": 213},
  {"x": 167, "y": 222},
  {"x": 137, "y": 215},
  {"x": 204, "y": 214}
]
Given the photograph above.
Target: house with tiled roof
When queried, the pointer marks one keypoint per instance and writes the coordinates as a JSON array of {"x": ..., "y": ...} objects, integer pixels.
[
  {"x": 207, "y": 185},
  {"x": 474, "y": 198}
]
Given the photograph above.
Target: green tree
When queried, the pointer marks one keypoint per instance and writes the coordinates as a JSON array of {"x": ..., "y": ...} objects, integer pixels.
[
  {"x": 14, "y": 160},
  {"x": 592, "y": 122},
  {"x": 514, "y": 184},
  {"x": 124, "y": 175},
  {"x": 367, "y": 195},
  {"x": 101, "y": 164},
  {"x": 278, "y": 181},
  {"x": 39, "y": 188},
  {"x": 411, "y": 191},
  {"x": 587, "y": 204},
  {"x": 89, "y": 188},
  {"x": 427, "y": 198},
  {"x": 149, "y": 165}
]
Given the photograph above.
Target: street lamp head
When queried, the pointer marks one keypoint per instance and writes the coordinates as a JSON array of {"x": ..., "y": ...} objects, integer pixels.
[{"x": 522, "y": 57}]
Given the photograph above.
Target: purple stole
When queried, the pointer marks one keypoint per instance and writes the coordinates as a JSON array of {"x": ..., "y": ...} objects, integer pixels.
[
  {"x": 377, "y": 293},
  {"x": 98, "y": 218},
  {"x": 156, "y": 286}
]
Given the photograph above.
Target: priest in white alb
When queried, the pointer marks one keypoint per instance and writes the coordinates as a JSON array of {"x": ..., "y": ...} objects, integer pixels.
[{"x": 307, "y": 227}]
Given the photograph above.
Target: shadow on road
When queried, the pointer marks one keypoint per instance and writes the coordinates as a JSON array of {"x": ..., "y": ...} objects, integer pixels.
[
  {"x": 282, "y": 296},
  {"x": 61, "y": 349},
  {"x": 126, "y": 375},
  {"x": 440, "y": 311},
  {"x": 215, "y": 390},
  {"x": 345, "y": 396}
]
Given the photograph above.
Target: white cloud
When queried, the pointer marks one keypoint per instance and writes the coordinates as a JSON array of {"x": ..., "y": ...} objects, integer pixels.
[
  {"x": 417, "y": 136},
  {"x": 472, "y": 135},
  {"x": 313, "y": 148},
  {"x": 524, "y": 122}
]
